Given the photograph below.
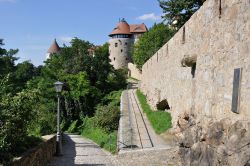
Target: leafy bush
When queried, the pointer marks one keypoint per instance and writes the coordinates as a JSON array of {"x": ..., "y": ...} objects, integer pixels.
[
  {"x": 117, "y": 79},
  {"x": 73, "y": 127},
  {"x": 104, "y": 139},
  {"x": 107, "y": 117},
  {"x": 112, "y": 99},
  {"x": 107, "y": 114},
  {"x": 43, "y": 123},
  {"x": 102, "y": 127},
  {"x": 160, "y": 120},
  {"x": 15, "y": 115}
]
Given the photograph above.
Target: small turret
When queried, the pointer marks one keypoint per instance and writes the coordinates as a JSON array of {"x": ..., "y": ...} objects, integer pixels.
[{"x": 54, "y": 49}]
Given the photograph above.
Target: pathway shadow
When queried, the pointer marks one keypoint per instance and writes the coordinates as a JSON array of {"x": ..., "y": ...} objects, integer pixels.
[
  {"x": 90, "y": 164},
  {"x": 68, "y": 153}
]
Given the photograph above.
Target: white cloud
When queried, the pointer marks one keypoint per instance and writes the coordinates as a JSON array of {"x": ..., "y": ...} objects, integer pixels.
[
  {"x": 65, "y": 38},
  {"x": 149, "y": 16},
  {"x": 10, "y": 1}
]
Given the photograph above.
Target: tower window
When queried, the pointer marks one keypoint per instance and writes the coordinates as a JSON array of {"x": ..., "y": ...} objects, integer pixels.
[
  {"x": 193, "y": 70},
  {"x": 126, "y": 43},
  {"x": 116, "y": 44},
  {"x": 183, "y": 35},
  {"x": 114, "y": 58},
  {"x": 121, "y": 50}
]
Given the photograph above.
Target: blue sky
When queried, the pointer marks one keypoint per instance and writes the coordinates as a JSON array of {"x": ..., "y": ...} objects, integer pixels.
[{"x": 31, "y": 25}]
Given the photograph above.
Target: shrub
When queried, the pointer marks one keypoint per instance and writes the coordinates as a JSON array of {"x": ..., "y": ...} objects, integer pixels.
[
  {"x": 73, "y": 127},
  {"x": 107, "y": 117},
  {"x": 15, "y": 115},
  {"x": 112, "y": 99},
  {"x": 101, "y": 137}
]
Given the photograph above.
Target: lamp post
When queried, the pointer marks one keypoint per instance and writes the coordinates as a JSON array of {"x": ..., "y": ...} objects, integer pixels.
[{"x": 58, "y": 87}]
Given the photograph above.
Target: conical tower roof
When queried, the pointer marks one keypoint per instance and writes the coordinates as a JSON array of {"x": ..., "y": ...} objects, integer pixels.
[{"x": 54, "y": 48}]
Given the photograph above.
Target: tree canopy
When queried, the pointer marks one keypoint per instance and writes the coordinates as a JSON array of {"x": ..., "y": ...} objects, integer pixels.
[
  {"x": 150, "y": 42},
  {"x": 28, "y": 98},
  {"x": 177, "y": 12}
]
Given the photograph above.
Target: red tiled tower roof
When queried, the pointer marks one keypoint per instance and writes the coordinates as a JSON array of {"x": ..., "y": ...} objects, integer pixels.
[
  {"x": 54, "y": 48},
  {"x": 124, "y": 28},
  {"x": 138, "y": 28}
]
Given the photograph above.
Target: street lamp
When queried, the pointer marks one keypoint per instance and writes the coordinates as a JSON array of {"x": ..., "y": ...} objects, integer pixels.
[{"x": 58, "y": 87}]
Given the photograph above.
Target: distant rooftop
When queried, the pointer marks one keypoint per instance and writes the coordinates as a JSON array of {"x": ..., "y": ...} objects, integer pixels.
[
  {"x": 124, "y": 28},
  {"x": 54, "y": 48}
]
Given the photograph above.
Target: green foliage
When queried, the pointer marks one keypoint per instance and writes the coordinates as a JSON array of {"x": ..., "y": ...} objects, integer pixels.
[
  {"x": 179, "y": 10},
  {"x": 150, "y": 42},
  {"x": 15, "y": 116},
  {"x": 102, "y": 127},
  {"x": 117, "y": 79},
  {"x": 100, "y": 136},
  {"x": 108, "y": 113},
  {"x": 24, "y": 72},
  {"x": 43, "y": 123},
  {"x": 160, "y": 120},
  {"x": 107, "y": 117},
  {"x": 73, "y": 127},
  {"x": 112, "y": 99},
  {"x": 28, "y": 98}
]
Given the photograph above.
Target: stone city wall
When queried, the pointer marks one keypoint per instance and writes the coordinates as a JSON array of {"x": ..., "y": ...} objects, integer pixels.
[
  {"x": 134, "y": 72},
  {"x": 40, "y": 155},
  {"x": 194, "y": 74},
  {"x": 221, "y": 41}
]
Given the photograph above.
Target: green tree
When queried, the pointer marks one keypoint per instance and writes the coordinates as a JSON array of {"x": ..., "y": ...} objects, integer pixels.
[
  {"x": 24, "y": 72},
  {"x": 15, "y": 115},
  {"x": 177, "y": 12},
  {"x": 150, "y": 42}
]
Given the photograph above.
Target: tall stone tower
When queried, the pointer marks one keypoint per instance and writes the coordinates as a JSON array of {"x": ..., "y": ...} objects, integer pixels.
[
  {"x": 122, "y": 39},
  {"x": 54, "y": 48}
]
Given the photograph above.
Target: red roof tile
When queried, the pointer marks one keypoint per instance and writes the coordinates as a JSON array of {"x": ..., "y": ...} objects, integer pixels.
[
  {"x": 124, "y": 28},
  {"x": 138, "y": 28},
  {"x": 54, "y": 48}
]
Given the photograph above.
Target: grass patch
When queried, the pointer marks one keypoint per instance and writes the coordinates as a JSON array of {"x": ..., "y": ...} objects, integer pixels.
[
  {"x": 98, "y": 135},
  {"x": 160, "y": 120}
]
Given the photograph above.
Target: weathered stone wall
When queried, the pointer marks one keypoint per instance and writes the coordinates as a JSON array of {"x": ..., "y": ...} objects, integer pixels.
[
  {"x": 134, "y": 72},
  {"x": 39, "y": 155},
  {"x": 218, "y": 37},
  {"x": 221, "y": 42}
]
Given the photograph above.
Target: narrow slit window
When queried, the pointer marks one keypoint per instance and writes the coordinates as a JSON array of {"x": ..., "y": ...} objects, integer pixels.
[
  {"x": 193, "y": 69},
  {"x": 220, "y": 9},
  {"x": 184, "y": 35}
]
